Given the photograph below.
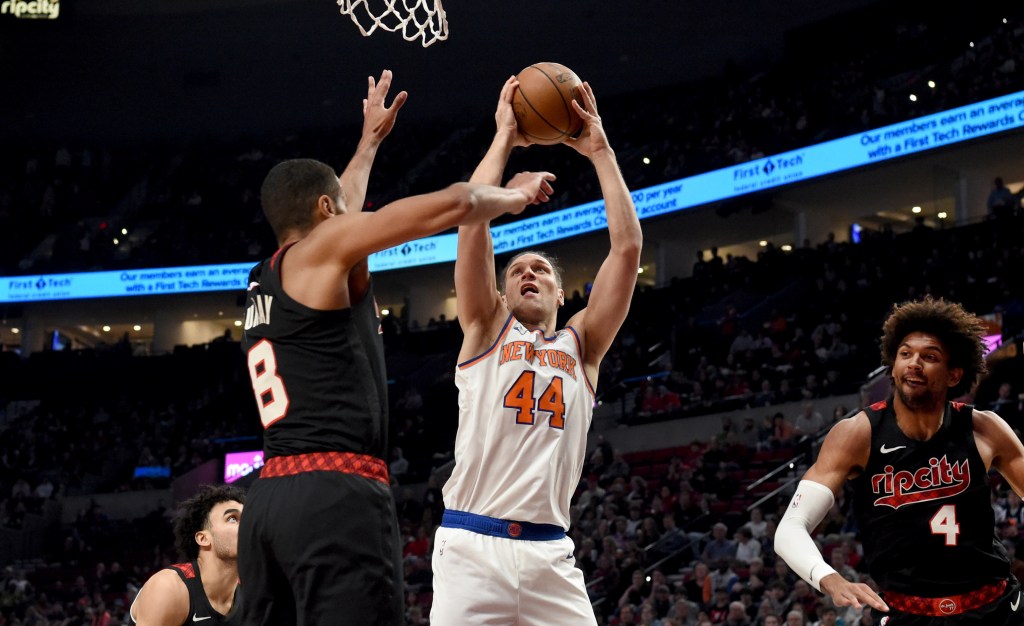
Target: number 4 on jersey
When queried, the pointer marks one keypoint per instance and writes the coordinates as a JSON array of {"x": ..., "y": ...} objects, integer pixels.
[
  {"x": 944, "y": 523},
  {"x": 520, "y": 397}
]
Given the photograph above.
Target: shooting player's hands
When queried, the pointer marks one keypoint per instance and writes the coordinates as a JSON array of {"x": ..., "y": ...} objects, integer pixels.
[{"x": 536, "y": 186}]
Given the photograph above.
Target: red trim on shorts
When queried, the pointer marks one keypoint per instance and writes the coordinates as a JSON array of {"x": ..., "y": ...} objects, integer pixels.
[
  {"x": 345, "y": 462},
  {"x": 949, "y": 605}
]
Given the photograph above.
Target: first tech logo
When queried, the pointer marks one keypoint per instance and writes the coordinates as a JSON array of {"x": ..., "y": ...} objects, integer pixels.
[{"x": 37, "y": 9}]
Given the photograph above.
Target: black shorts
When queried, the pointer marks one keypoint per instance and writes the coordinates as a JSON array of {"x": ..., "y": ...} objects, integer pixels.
[
  {"x": 1006, "y": 610},
  {"x": 320, "y": 549}
]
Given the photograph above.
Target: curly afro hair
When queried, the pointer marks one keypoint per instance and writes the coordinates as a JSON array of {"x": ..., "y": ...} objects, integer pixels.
[
  {"x": 195, "y": 516},
  {"x": 959, "y": 331}
]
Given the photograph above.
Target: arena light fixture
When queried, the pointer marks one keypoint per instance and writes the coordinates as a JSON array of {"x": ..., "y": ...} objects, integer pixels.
[
  {"x": 106, "y": 329},
  {"x": 915, "y": 210}
]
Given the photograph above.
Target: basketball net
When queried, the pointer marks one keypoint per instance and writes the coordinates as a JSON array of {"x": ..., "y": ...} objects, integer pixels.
[{"x": 415, "y": 19}]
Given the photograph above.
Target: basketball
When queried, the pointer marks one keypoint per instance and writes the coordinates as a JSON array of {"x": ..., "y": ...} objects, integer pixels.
[{"x": 542, "y": 103}]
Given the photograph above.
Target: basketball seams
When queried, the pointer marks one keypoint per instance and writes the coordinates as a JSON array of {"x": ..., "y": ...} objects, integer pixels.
[
  {"x": 537, "y": 108},
  {"x": 565, "y": 105}
]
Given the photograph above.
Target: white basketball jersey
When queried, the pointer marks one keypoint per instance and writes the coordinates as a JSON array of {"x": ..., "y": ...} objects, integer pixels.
[{"x": 525, "y": 406}]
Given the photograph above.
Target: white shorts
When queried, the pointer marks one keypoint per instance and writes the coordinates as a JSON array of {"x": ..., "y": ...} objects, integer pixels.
[{"x": 482, "y": 580}]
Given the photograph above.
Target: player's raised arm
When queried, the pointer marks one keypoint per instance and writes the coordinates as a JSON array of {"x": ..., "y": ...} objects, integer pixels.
[
  {"x": 479, "y": 303},
  {"x": 162, "y": 601},
  {"x": 616, "y": 279},
  {"x": 349, "y": 238},
  {"x": 378, "y": 120}
]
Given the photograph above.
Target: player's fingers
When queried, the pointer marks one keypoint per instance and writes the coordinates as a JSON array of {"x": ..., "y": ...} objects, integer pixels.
[
  {"x": 508, "y": 89},
  {"x": 385, "y": 80},
  {"x": 399, "y": 101},
  {"x": 591, "y": 100},
  {"x": 845, "y": 599},
  {"x": 861, "y": 594},
  {"x": 873, "y": 600}
]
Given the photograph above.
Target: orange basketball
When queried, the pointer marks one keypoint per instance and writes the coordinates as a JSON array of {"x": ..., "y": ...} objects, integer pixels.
[{"x": 542, "y": 103}]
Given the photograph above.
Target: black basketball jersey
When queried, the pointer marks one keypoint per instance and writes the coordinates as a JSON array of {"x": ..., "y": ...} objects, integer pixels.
[
  {"x": 199, "y": 609},
  {"x": 318, "y": 376},
  {"x": 924, "y": 508}
]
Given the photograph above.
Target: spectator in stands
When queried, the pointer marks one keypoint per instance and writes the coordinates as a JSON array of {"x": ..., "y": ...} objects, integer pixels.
[
  {"x": 698, "y": 586},
  {"x": 1013, "y": 511},
  {"x": 795, "y": 618},
  {"x": 747, "y": 434},
  {"x": 626, "y": 617},
  {"x": 867, "y": 618},
  {"x": 399, "y": 464},
  {"x": 737, "y": 615},
  {"x": 718, "y": 609},
  {"x": 809, "y": 422},
  {"x": 757, "y": 524},
  {"x": 619, "y": 468},
  {"x": 828, "y": 616},
  {"x": 747, "y": 548},
  {"x": 782, "y": 432},
  {"x": 672, "y": 538},
  {"x": 1008, "y": 405},
  {"x": 723, "y": 576},
  {"x": 1001, "y": 201},
  {"x": 719, "y": 547},
  {"x": 684, "y": 612}
]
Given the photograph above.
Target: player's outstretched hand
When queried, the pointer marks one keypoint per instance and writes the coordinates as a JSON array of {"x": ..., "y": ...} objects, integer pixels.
[
  {"x": 536, "y": 186},
  {"x": 592, "y": 139},
  {"x": 378, "y": 120},
  {"x": 845, "y": 593},
  {"x": 505, "y": 117}
]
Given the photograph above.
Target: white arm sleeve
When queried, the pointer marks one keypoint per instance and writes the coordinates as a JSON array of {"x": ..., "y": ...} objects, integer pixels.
[{"x": 793, "y": 542}]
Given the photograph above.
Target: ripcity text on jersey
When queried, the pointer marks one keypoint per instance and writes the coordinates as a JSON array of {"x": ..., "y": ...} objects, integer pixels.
[{"x": 924, "y": 508}]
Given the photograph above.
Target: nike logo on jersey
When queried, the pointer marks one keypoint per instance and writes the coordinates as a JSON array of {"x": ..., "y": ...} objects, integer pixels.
[
  {"x": 1015, "y": 603},
  {"x": 196, "y": 618},
  {"x": 885, "y": 450}
]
